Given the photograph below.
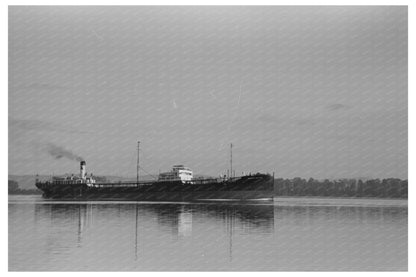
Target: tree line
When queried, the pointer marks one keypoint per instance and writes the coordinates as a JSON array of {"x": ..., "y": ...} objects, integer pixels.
[
  {"x": 385, "y": 188},
  {"x": 14, "y": 189}
]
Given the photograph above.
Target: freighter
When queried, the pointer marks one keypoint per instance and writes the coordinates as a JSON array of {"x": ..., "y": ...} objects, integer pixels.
[{"x": 177, "y": 185}]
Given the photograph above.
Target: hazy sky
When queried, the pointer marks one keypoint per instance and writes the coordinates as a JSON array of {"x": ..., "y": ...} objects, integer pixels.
[{"x": 303, "y": 91}]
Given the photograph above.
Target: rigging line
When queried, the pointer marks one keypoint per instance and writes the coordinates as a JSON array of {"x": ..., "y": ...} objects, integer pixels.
[
  {"x": 235, "y": 115},
  {"x": 147, "y": 172},
  {"x": 232, "y": 115},
  {"x": 143, "y": 157},
  {"x": 133, "y": 158}
]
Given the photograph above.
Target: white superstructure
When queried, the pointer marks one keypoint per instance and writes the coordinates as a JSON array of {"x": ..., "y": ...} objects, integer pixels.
[{"x": 178, "y": 173}]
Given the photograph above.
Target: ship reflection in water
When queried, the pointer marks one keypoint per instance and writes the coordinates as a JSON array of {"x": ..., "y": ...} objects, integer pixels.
[
  {"x": 142, "y": 229},
  {"x": 206, "y": 236}
]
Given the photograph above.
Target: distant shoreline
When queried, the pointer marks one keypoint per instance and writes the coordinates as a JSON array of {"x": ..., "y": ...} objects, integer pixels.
[
  {"x": 341, "y": 197},
  {"x": 37, "y": 192},
  {"x": 26, "y": 192},
  {"x": 391, "y": 188}
]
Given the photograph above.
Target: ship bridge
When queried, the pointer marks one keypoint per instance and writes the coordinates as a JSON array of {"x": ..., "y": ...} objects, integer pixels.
[{"x": 178, "y": 173}]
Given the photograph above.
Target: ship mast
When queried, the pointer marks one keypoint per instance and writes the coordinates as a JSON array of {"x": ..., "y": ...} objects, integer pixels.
[
  {"x": 231, "y": 160},
  {"x": 138, "y": 160}
]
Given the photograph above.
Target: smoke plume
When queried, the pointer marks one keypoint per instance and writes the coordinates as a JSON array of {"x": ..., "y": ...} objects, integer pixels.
[{"x": 59, "y": 152}]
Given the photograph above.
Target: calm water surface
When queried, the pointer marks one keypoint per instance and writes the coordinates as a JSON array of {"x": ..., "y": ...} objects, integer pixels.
[{"x": 289, "y": 234}]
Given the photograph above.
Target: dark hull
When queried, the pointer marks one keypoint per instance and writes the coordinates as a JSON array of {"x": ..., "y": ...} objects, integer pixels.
[{"x": 259, "y": 187}]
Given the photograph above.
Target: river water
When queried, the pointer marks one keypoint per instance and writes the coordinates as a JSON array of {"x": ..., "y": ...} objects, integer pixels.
[{"x": 290, "y": 234}]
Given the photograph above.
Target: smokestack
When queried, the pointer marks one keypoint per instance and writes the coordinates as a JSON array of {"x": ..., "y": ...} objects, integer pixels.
[{"x": 83, "y": 170}]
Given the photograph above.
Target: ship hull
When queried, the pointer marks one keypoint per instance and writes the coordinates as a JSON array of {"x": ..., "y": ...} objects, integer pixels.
[{"x": 244, "y": 189}]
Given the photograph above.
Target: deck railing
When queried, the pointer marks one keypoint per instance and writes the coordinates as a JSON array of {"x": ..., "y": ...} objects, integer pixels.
[
  {"x": 126, "y": 184},
  {"x": 148, "y": 183}
]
